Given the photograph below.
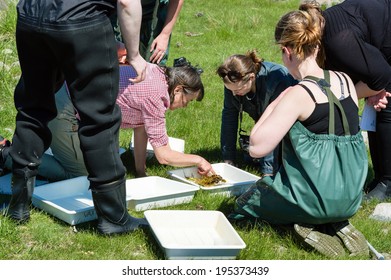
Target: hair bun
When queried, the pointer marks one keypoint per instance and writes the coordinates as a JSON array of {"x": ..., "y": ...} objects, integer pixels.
[{"x": 182, "y": 61}]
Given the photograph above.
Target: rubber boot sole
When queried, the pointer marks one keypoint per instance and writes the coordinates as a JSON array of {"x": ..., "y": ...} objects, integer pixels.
[
  {"x": 352, "y": 238},
  {"x": 323, "y": 243}
]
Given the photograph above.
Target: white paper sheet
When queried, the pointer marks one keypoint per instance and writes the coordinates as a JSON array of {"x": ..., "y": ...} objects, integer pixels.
[{"x": 368, "y": 118}]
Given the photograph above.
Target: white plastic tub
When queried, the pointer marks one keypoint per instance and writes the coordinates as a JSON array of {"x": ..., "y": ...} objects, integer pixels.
[
  {"x": 237, "y": 180},
  {"x": 176, "y": 144},
  {"x": 154, "y": 191},
  {"x": 69, "y": 200},
  {"x": 193, "y": 234}
]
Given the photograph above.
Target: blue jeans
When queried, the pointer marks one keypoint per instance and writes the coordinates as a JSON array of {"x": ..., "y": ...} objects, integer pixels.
[{"x": 267, "y": 164}]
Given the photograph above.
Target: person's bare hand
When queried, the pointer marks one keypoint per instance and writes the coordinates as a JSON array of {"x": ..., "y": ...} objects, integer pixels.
[
  {"x": 205, "y": 168},
  {"x": 159, "y": 47},
  {"x": 379, "y": 101},
  {"x": 140, "y": 66}
]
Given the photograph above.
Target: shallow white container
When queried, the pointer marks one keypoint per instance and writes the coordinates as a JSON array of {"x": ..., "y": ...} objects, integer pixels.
[
  {"x": 69, "y": 200},
  {"x": 154, "y": 191},
  {"x": 194, "y": 234},
  {"x": 237, "y": 180},
  {"x": 176, "y": 144}
]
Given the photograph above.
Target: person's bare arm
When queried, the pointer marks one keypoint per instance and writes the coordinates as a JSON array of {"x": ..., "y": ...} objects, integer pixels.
[
  {"x": 375, "y": 98},
  {"x": 277, "y": 119},
  {"x": 165, "y": 155},
  {"x": 129, "y": 17},
  {"x": 160, "y": 44}
]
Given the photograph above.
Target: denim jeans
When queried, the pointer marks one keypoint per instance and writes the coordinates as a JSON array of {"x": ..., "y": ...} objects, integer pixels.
[
  {"x": 267, "y": 164},
  {"x": 85, "y": 55}
]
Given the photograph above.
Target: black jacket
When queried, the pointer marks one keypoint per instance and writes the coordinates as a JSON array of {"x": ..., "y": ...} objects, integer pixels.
[{"x": 357, "y": 41}]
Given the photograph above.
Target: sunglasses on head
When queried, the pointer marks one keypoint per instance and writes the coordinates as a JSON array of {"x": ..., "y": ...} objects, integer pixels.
[{"x": 234, "y": 76}]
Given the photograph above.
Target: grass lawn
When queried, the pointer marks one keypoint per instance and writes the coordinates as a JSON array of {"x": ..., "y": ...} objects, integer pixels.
[{"x": 206, "y": 33}]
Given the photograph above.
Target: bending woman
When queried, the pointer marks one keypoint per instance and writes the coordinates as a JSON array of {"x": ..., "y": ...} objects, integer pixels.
[
  {"x": 250, "y": 85},
  {"x": 143, "y": 106}
]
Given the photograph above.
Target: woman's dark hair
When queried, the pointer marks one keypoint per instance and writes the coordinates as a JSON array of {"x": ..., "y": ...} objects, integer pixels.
[
  {"x": 185, "y": 75},
  {"x": 237, "y": 67}
]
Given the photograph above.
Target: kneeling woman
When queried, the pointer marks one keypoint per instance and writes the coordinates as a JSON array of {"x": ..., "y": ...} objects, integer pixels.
[{"x": 324, "y": 161}]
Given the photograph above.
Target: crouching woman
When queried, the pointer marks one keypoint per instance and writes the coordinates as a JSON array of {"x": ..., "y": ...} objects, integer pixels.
[{"x": 324, "y": 161}]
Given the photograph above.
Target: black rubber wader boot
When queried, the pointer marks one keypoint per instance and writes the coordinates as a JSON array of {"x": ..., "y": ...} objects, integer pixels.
[
  {"x": 111, "y": 208},
  {"x": 23, "y": 182}
]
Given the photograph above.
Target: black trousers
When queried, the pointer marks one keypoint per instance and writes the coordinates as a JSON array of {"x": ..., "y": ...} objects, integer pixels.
[
  {"x": 379, "y": 143},
  {"x": 85, "y": 55}
]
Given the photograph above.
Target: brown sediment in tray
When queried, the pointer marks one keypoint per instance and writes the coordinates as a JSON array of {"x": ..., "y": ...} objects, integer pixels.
[{"x": 208, "y": 181}]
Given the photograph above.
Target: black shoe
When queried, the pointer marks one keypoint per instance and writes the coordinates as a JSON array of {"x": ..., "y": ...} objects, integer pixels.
[
  {"x": 381, "y": 192},
  {"x": 371, "y": 185}
]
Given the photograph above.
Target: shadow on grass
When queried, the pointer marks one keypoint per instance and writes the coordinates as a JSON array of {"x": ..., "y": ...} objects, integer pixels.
[{"x": 153, "y": 245}]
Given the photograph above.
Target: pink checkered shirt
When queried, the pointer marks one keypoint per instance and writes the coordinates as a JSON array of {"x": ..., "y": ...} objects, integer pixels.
[{"x": 145, "y": 103}]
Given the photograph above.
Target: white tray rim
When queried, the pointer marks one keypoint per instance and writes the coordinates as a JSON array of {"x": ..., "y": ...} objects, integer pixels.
[
  {"x": 186, "y": 189},
  {"x": 219, "y": 186},
  {"x": 241, "y": 244}
]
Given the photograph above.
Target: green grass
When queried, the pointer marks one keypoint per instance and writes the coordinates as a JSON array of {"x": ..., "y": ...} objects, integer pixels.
[{"x": 219, "y": 28}]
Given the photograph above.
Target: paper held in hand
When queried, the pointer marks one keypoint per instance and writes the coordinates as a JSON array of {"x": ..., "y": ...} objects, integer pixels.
[{"x": 368, "y": 118}]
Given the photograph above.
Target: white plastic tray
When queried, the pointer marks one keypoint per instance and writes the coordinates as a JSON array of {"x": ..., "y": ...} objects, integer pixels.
[
  {"x": 154, "y": 191},
  {"x": 193, "y": 234},
  {"x": 237, "y": 180},
  {"x": 69, "y": 200},
  {"x": 176, "y": 144}
]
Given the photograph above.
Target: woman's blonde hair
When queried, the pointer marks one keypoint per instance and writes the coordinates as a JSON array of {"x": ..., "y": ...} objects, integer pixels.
[
  {"x": 302, "y": 30},
  {"x": 236, "y": 67}
]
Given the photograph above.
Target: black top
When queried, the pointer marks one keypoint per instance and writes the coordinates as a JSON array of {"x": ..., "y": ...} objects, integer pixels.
[
  {"x": 61, "y": 11},
  {"x": 318, "y": 121},
  {"x": 357, "y": 41}
]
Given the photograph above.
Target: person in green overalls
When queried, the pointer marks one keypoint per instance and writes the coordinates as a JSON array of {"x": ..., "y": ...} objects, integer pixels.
[{"x": 319, "y": 185}]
